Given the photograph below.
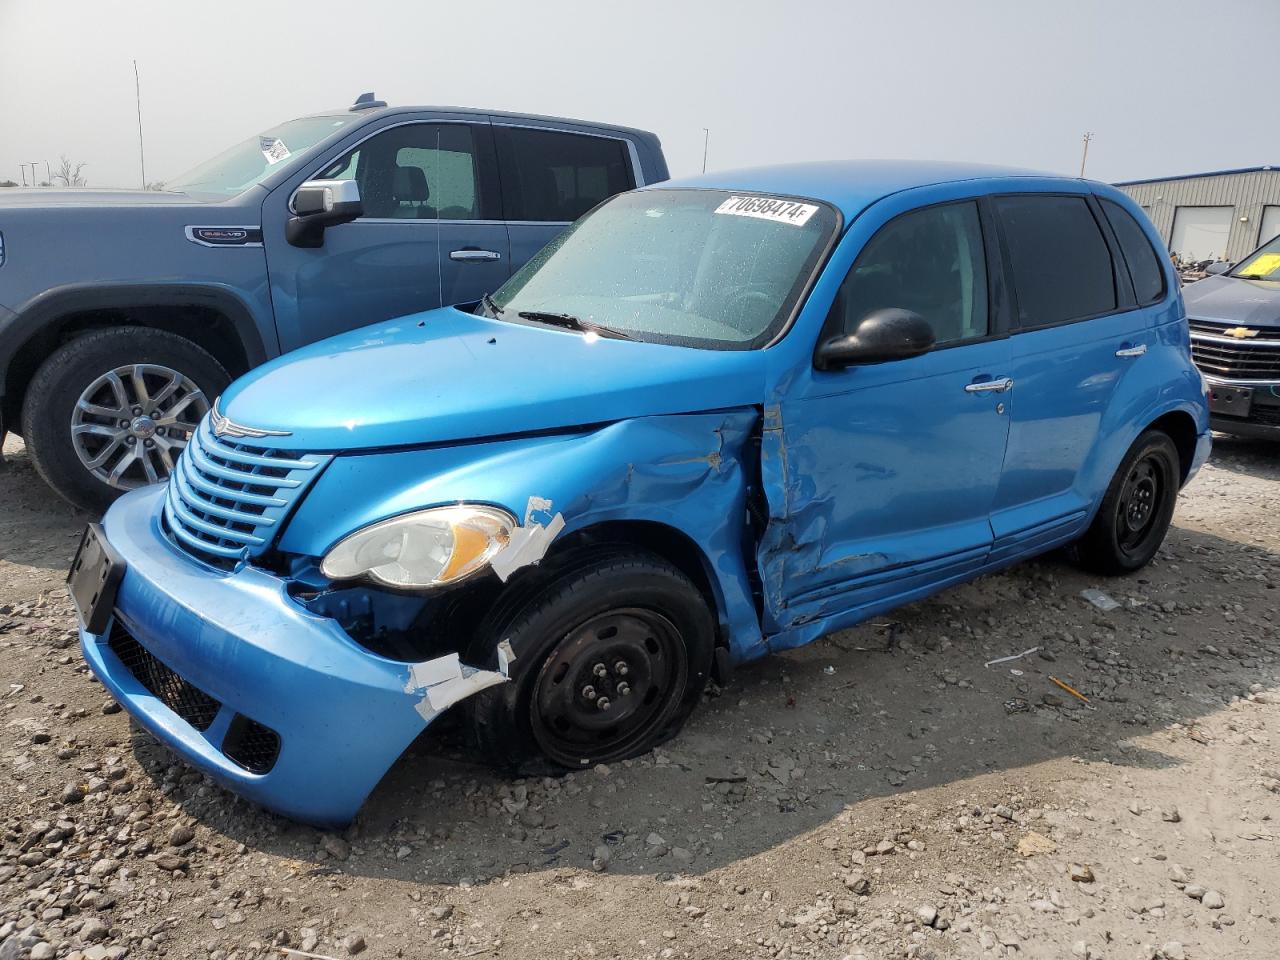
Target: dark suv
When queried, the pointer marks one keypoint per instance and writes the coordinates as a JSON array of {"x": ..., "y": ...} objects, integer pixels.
[{"x": 123, "y": 314}]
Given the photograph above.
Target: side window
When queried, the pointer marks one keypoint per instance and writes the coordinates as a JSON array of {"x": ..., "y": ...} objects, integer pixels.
[
  {"x": 419, "y": 171},
  {"x": 1143, "y": 264},
  {"x": 1061, "y": 263},
  {"x": 553, "y": 176},
  {"x": 930, "y": 261}
]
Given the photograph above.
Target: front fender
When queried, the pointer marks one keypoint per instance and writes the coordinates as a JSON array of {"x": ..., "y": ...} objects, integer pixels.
[{"x": 685, "y": 472}]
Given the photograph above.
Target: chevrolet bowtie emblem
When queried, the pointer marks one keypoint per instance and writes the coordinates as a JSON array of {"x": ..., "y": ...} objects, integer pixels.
[
  {"x": 224, "y": 427},
  {"x": 1241, "y": 333}
]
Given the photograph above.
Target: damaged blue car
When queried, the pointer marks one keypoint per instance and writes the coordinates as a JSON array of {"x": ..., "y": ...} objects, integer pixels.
[{"x": 715, "y": 418}]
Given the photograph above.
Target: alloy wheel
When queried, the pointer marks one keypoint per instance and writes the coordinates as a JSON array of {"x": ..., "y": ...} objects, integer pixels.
[{"x": 130, "y": 424}]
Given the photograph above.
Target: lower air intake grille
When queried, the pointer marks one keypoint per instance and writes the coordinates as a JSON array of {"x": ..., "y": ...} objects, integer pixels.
[
  {"x": 190, "y": 703},
  {"x": 251, "y": 745}
]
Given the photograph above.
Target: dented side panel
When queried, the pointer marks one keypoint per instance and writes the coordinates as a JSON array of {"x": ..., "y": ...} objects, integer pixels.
[{"x": 682, "y": 471}]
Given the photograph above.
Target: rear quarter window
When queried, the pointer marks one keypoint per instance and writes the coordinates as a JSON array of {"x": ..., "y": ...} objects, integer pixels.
[
  {"x": 1060, "y": 260},
  {"x": 1139, "y": 257}
]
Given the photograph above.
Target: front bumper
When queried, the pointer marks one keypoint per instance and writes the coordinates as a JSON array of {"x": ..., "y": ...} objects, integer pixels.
[
  {"x": 342, "y": 713},
  {"x": 1261, "y": 421}
]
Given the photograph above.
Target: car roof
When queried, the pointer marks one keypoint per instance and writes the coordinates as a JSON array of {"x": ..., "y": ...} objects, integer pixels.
[{"x": 852, "y": 185}]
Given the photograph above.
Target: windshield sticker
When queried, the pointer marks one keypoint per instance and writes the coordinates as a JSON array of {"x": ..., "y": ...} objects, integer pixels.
[
  {"x": 273, "y": 149},
  {"x": 1265, "y": 264},
  {"x": 769, "y": 208}
]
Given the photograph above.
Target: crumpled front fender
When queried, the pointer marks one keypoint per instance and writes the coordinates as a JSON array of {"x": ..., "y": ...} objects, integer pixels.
[{"x": 685, "y": 472}]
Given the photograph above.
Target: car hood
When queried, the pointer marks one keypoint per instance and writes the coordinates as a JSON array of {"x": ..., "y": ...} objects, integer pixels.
[
  {"x": 447, "y": 375},
  {"x": 1254, "y": 303},
  {"x": 85, "y": 197}
]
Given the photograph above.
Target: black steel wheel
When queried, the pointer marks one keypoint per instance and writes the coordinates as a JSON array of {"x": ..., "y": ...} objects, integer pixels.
[
  {"x": 1137, "y": 508},
  {"x": 612, "y": 652},
  {"x": 607, "y": 684}
]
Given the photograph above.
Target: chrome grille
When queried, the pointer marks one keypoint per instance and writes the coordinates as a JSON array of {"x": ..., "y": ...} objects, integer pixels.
[
  {"x": 1235, "y": 358},
  {"x": 226, "y": 499}
]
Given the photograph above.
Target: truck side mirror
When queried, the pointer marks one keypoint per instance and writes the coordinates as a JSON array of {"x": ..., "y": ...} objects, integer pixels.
[
  {"x": 881, "y": 336},
  {"x": 318, "y": 204}
]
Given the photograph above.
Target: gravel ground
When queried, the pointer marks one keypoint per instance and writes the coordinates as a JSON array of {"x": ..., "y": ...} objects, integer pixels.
[{"x": 878, "y": 794}]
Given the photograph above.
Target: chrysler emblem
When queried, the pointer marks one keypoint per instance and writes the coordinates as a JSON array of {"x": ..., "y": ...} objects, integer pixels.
[
  {"x": 225, "y": 427},
  {"x": 1241, "y": 333}
]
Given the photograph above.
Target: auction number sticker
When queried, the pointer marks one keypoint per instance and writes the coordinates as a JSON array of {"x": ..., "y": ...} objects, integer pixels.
[{"x": 769, "y": 208}]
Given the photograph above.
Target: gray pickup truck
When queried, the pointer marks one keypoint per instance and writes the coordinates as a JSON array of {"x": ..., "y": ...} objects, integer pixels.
[{"x": 123, "y": 314}]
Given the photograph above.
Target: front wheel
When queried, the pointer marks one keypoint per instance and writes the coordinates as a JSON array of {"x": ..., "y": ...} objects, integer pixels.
[
  {"x": 611, "y": 657},
  {"x": 112, "y": 409},
  {"x": 1136, "y": 510}
]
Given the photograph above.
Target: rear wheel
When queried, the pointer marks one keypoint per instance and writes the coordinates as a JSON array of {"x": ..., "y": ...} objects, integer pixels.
[
  {"x": 1137, "y": 508},
  {"x": 112, "y": 409},
  {"x": 611, "y": 657}
]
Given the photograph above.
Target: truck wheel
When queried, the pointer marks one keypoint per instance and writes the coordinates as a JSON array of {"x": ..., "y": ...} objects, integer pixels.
[
  {"x": 611, "y": 657},
  {"x": 112, "y": 409},
  {"x": 1136, "y": 509}
]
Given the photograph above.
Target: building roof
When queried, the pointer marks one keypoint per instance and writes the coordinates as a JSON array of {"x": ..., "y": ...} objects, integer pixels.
[
  {"x": 1197, "y": 176},
  {"x": 850, "y": 185}
]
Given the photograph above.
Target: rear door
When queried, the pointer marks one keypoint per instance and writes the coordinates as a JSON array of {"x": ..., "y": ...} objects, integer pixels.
[
  {"x": 431, "y": 233},
  {"x": 551, "y": 176},
  {"x": 1078, "y": 332}
]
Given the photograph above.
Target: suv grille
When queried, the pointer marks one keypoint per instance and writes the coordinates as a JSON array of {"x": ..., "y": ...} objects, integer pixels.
[
  {"x": 226, "y": 499},
  {"x": 1232, "y": 358},
  {"x": 187, "y": 701}
]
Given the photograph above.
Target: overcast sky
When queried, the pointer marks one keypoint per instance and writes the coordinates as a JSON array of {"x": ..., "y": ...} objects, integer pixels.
[{"x": 1166, "y": 87}]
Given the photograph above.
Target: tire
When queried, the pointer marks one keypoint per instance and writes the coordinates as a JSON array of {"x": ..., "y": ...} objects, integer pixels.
[
  {"x": 82, "y": 370},
  {"x": 626, "y": 611},
  {"x": 1136, "y": 510}
]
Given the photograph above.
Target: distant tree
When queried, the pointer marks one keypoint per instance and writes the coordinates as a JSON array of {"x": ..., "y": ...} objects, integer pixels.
[
  {"x": 8, "y": 183},
  {"x": 69, "y": 173}
]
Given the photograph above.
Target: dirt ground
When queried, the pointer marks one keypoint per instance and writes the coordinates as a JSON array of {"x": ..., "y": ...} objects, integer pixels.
[{"x": 878, "y": 794}]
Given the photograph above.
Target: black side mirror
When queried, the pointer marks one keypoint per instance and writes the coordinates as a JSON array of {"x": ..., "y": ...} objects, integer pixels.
[
  {"x": 318, "y": 204},
  {"x": 881, "y": 336},
  {"x": 1219, "y": 268}
]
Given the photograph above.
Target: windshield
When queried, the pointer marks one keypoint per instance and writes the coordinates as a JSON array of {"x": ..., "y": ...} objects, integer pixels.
[
  {"x": 707, "y": 268},
  {"x": 1262, "y": 264},
  {"x": 236, "y": 170}
]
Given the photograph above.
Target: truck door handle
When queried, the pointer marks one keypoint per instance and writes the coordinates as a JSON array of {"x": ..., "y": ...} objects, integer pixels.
[
  {"x": 1135, "y": 351},
  {"x": 474, "y": 255},
  {"x": 989, "y": 386}
]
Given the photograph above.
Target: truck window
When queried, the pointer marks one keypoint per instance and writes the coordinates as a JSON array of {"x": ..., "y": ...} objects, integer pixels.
[
  {"x": 556, "y": 177},
  {"x": 419, "y": 171}
]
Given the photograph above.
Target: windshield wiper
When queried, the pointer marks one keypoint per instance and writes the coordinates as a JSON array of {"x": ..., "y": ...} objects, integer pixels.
[
  {"x": 570, "y": 322},
  {"x": 1256, "y": 276},
  {"x": 486, "y": 301}
]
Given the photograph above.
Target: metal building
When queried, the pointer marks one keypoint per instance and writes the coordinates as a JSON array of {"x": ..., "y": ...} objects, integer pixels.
[{"x": 1212, "y": 216}]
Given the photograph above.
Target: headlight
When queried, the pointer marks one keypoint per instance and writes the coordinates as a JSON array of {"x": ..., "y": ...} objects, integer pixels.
[{"x": 428, "y": 548}]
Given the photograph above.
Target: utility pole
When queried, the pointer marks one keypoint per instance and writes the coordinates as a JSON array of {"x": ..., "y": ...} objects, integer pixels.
[
  {"x": 48, "y": 173},
  {"x": 706, "y": 140},
  {"x": 1085, "y": 155},
  {"x": 23, "y": 168},
  {"x": 142, "y": 155}
]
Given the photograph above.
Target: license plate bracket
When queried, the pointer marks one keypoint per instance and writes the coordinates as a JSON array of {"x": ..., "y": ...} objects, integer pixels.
[
  {"x": 1230, "y": 401},
  {"x": 94, "y": 579}
]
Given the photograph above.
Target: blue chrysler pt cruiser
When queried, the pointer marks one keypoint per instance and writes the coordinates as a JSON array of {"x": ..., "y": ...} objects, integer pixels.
[{"x": 715, "y": 418}]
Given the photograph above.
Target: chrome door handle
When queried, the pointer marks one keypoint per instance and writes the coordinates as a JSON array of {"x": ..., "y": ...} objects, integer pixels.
[
  {"x": 990, "y": 386},
  {"x": 475, "y": 256},
  {"x": 1137, "y": 351}
]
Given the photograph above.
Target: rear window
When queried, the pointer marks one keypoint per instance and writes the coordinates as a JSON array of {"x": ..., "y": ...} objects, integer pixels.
[
  {"x": 1061, "y": 263},
  {"x": 552, "y": 176},
  {"x": 1139, "y": 257}
]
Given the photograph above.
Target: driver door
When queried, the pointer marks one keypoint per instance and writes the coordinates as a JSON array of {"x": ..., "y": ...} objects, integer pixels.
[{"x": 891, "y": 469}]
